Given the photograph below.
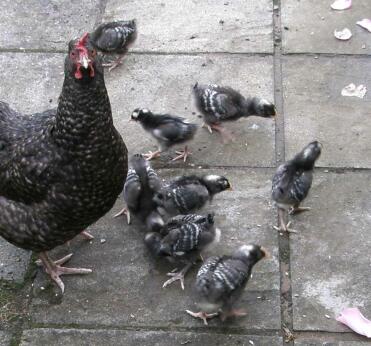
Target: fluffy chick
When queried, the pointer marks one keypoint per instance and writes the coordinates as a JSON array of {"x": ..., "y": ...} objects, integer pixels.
[
  {"x": 221, "y": 280},
  {"x": 218, "y": 104},
  {"x": 167, "y": 129},
  {"x": 187, "y": 194},
  {"x": 181, "y": 240},
  {"x": 114, "y": 38},
  {"x": 141, "y": 184},
  {"x": 292, "y": 181}
]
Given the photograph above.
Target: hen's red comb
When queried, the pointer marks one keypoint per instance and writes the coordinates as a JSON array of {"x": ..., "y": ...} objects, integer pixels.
[{"x": 82, "y": 41}]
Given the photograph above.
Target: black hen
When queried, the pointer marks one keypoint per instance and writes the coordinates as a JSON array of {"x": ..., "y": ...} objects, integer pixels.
[
  {"x": 61, "y": 170},
  {"x": 221, "y": 280},
  {"x": 183, "y": 238},
  {"x": 292, "y": 182},
  {"x": 141, "y": 184},
  {"x": 218, "y": 104},
  {"x": 167, "y": 129},
  {"x": 187, "y": 194},
  {"x": 114, "y": 38}
]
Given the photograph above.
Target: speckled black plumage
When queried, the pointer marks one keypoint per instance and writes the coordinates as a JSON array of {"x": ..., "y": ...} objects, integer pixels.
[
  {"x": 218, "y": 104},
  {"x": 141, "y": 184},
  {"x": 167, "y": 129},
  {"x": 114, "y": 37},
  {"x": 189, "y": 193},
  {"x": 221, "y": 279},
  {"x": 60, "y": 170},
  {"x": 293, "y": 179}
]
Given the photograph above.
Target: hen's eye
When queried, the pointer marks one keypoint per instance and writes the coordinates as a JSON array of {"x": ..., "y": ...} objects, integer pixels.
[
  {"x": 73, "y": 54},
  {"x": 93, "y": 52}
]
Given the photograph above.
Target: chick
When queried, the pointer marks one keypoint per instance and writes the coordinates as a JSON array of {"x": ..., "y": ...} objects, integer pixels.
[
  {"x": 292, "y": 182},
  {"x": 218, "y": 104},
  {"x": 187, "y": 194},
  {"x": 114, "y": 38},
  {"x": 167, "y": 129},
  {"x": 181, "y": 240},
  {"x": 221, "y": 280},
  {"x": 141, "y": 184}
]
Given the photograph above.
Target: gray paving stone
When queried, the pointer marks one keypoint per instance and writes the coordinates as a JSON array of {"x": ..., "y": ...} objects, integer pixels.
[
  {"x": 315, "y": 109},
  {"x": 311, "y": 26},
  {"x": 45, "y": 24},
  {"x": 126, "y": 285},
  {"x": 84, "y": 337},
  {"x": 198, "y": 26},
  {"x": 164, "y": 84},
  {"x": 4, "y": 338},
  {"x": 329, "y": 342},
  {"x": 31, "y": 82},
  {"x": 330, "y": 258},
  {"x": 13, "y": 262}
]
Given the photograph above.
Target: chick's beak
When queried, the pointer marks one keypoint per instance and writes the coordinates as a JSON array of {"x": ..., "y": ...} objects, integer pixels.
[{"x": 266, "y": 252}]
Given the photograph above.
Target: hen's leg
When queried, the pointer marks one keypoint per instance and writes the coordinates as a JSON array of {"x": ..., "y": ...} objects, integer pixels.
[
  {"x": 178, "y": 276},
  {"x": 55, "y": 269},
  {"x": 202, "y": 315},
  {"x": 124, "y": 211},
  {"x": 151, "y": 155},
  {"x": 182, "y": 154}
]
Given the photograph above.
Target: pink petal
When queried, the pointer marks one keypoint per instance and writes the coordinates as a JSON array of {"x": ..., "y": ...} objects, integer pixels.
[
  {"x": 365, "y": 23},
  {"x": 341, "y": 4},
  {"x": 343, "y": 35},
  {"x": 353, "y": 318}
]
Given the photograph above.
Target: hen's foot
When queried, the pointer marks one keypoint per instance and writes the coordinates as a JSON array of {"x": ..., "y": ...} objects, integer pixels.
[
  {"x": 182, "y": 154},
  {"x": 151, "y": 155},
  {"x": 55, "y": 270},
  {"x": 297, "y": 210},
  {"x": 233, "y": 313},
  {"x": 124, "y": 211},
  {"x": 202, "y": 315},
  {"x": 177, "y": 276}
]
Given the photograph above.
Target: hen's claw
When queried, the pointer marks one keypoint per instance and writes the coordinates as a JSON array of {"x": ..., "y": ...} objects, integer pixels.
[
  {"x": 124, "y": 211},
  {"x": 55, "y": 270},
  {"x": 202, "y": 315},
  {"x": 87, "y": 235}
]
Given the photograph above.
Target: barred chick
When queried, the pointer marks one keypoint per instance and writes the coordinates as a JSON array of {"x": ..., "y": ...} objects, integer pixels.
[
  {"x": 221, "y": 280},
  {"x": 182, "y": 239},
  {"x": 114, "y": 38},
  {"x": 141, "y": 184},
  {"x": 293, "y": 180},
  {"x": 187, "y": 194},
  {"x": 219, "y": 104},
  {"x": 167, "y": 129}
]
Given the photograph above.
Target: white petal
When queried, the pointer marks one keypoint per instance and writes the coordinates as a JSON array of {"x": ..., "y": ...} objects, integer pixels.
[
  {"x": 343, "y": 35},
  {"x": 341, "y": 4},
  {"x": 356, "y": 91},
  {"x": 365, "y": 23}
]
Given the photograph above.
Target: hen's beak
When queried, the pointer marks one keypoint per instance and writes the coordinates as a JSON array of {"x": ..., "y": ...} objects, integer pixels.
[{"x": 84, "y": 61}]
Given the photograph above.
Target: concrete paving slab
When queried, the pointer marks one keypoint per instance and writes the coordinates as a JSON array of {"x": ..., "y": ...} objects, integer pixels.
[
  {"x": 198, "y": 26},
  {"x": 82, "y": 337},
  {"x": 329, "y": 258},
  {"x": 308, "y": 26},
  {"x": 329, "y": 342},
  {"x": 125, "y": 288},
  {"x": 47, "y": 25},
  {"x": 315, "y": 109},
  {"x": 164, "y": 84},
  {"x": 13, "y": 262},
  {"x": 31, "y": 82},
  {"x": 4, "y": 338}
]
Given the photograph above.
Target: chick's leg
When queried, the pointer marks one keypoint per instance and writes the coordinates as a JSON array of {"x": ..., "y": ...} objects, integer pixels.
[
  {"x": 297, "y": 209},
  {"x": 226, "y": 135},
  {"x": 202, "y": 315},
  {"x": 233, "y": 313},
  {"x": 283, "y": 226},
  {"x": 55, "y": 269},
  {"x": 178, "y": 276},
  {"x": 112, "y": 65},
  {"x": 182, "y": 154}
]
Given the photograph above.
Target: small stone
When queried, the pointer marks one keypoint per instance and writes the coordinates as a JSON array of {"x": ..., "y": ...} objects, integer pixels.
[
  {"x": 251, "y": 342},
  {"x": 327, "y": 316},
  {"x": 316, "y": 57},
  {"x": 42, "y": 288},
  {"x": 296, "y": 295},
  {"x": 221, "y": 21},
  {"x": 102, "y": 241},
  {"x": 363, "y": 46},
  {"x": 304, "y": 315},
  {"x": 326, "y": 170}
]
